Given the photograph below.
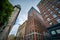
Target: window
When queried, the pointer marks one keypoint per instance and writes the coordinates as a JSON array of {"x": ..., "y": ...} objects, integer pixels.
[
  {"x": 51, "y": 12},
  {"x": 52, "y": 6},
  {"x": 58, "y": 20},
  {"x": 51, "y": 23},
  {"x": 54, "y": 16},
  {"x": 56, "y": 8},
  {"x": 53, "y": 32},
  {"x": 59, "y": 11},
  {"x": 37, "y": 36},
  {"x": 43, "y": 4},
  {"x": 48, "y": 19},
  {"x": 31, "y": 37},
  {"x": 58, "y": 31},
  {"x": 30, "y": 15},
  {"x": 44, "y": 12},
  {"x": 46, "y": 1},
  {"x": 48, "y": 9},
  {"x": 45, "y": 33},
  {"x": 58, "y": 2},
  {"x": 46, "y": 15}
]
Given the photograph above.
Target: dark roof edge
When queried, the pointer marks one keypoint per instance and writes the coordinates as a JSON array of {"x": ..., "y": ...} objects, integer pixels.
[
  {"x": 31, "y": 9},
  {"x": 18, "y": 6},
  {"x": 39, "y": 3}
]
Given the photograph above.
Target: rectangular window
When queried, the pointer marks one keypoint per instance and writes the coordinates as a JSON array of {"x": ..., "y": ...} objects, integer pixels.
[
  {"x": 58, "y": 31},
  {"x": 59, "y": 11},
  {"x": 56, "y": 8},
  {"x": 48, "y": 19},
  {"x": 51, "y": 12},
  {"x": 44, "y": 12},
  {"x": 53, "y": 6},
  {"x": 43, "y": 4},
  {"x": 50, "y": 23},
  {"x": 50, "y": 4},
  {"x": 53, "y": 32},
  {"x": 58, "y": 20},
  {"x": 54, "y": 16},
  {"x": 58, "y": 2},
  {"x": 48, "y": 9},
  {"x": 46, "y": 15}
]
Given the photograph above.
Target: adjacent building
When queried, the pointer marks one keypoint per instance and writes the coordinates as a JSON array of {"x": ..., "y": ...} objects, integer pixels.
[
  {"x": 50, "y": 12},
  {"x": 21, "y": 31},
  {"x": 11, "y": 22},
  {"x": 35, "y": 26},
  {"x": 11, "y": 37}
]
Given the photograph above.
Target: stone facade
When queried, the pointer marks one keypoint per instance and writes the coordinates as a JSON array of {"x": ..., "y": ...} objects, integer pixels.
[
  {"x": 21, "y": 31},
  {"x": 12, "y": 19},
  {"x": 11, "y": 37}
]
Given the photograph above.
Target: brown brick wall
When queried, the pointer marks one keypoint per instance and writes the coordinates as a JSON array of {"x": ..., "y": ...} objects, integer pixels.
[
  {"x": 47, "y": 4},
  {"x": 34, "y": 25}
]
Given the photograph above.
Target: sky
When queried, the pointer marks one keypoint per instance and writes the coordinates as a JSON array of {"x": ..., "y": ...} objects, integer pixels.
[{"x": 23, "y": 15}]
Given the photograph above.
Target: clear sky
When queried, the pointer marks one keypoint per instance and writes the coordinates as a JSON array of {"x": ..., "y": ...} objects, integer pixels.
[{"x": 23, "y": 15}]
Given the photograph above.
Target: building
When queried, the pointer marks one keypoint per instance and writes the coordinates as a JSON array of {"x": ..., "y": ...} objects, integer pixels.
[
  {"x": 21, "y": 31},
  {"x": 11, "y": 22},
  {"x": 50, "y": 12},
  {"x": 35, "y": 26},
  {"x": 11, "y": 37}
]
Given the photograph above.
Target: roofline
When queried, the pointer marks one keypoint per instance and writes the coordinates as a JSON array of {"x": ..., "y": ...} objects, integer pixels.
[
  {"x": 32, "y": 8},
  {"x": 18, "y": 6},
  {"x": 39, "y": 3}
]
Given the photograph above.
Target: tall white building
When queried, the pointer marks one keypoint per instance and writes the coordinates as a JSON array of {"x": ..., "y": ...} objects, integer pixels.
[{"x": 12, "y": 19}]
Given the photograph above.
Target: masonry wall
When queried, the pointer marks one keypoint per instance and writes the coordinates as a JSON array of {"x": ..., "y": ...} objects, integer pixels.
[
  {"x": 34, "y": 29},
  {"x": 12, "y": 19},
  {"x": 50, "y": 12}
]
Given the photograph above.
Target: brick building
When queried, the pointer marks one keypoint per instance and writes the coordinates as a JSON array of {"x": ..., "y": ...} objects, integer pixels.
[
  {"x": 35, "y": 27},
  {"x": 50, "y": 12}
]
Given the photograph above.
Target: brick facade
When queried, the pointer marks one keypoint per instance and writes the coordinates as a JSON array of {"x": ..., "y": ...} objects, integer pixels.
[
  {"x": 50, "y": 11},
  {"x": 35, "y": 27}
]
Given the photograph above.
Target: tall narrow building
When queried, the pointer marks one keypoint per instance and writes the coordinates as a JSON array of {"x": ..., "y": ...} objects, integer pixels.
[
  {"x": 21, "y": 31},
  {"x": 35, "y": 27},
  {"x": 50, "y": 12},
  {"x": 12, "y": 19}
]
